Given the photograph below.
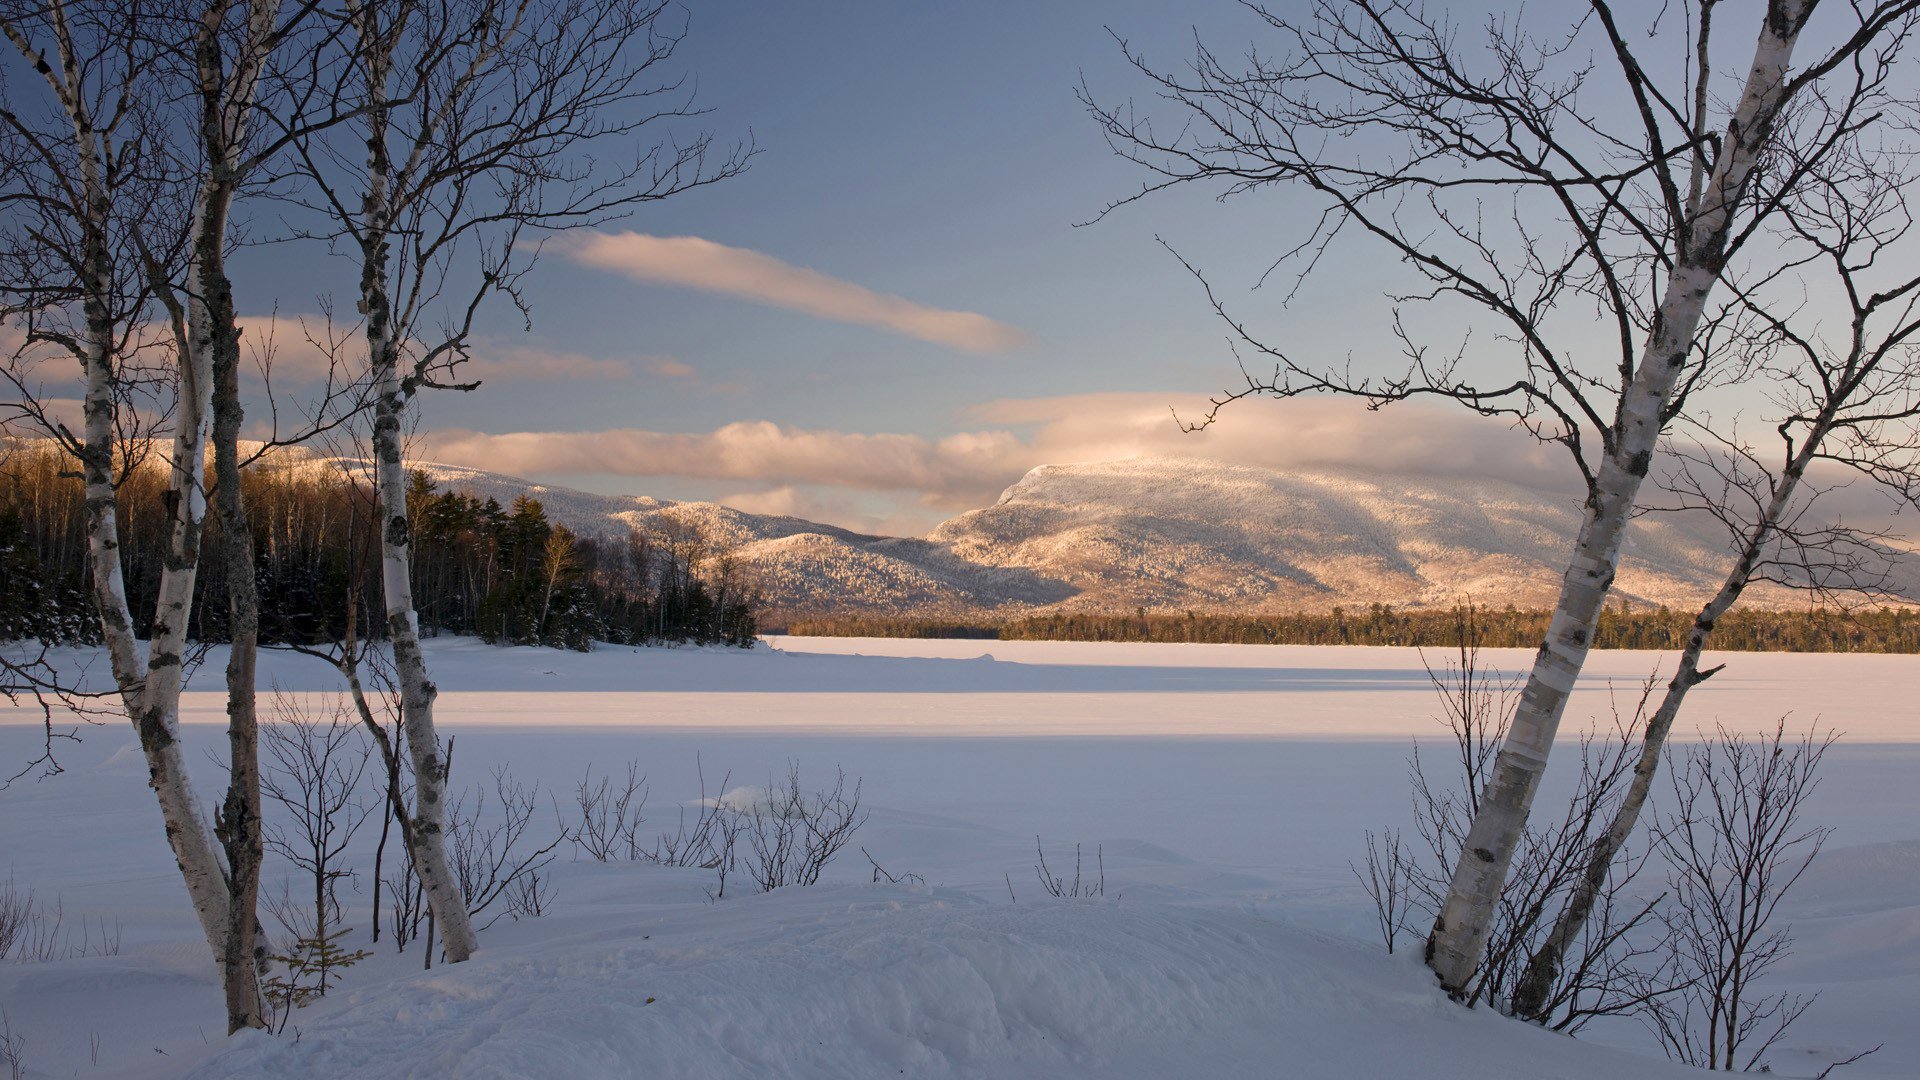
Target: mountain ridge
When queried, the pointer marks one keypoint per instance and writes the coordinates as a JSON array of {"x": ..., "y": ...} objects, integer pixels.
[{"x": 1179, "y": 533}]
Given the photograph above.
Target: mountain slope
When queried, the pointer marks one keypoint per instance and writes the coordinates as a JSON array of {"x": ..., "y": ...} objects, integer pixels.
[
  {"x": 1168, "y": 533},
  {"x": 1174, "y": 533}
]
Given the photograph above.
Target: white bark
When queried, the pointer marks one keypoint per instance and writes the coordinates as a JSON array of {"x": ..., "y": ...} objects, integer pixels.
[
  {"x": 150, "y": 692},
  {"x": 1459, "y": 938},
  {"x": 1543, "y": 967},
  {"x": 426, "y": 834}
]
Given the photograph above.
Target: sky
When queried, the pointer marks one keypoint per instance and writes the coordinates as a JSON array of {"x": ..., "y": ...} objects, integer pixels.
[
  {"x": 895, "y": 312},
  {"x": 906, "y": 302}
]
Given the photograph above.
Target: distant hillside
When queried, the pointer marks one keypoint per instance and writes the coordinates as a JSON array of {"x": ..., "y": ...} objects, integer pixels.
[{"x": 1183, "y": 534}]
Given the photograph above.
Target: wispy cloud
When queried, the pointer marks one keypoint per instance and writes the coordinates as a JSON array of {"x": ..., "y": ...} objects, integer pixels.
[
  {"x": 702, "y": 264},
  {"x": 302, "y": 348}
]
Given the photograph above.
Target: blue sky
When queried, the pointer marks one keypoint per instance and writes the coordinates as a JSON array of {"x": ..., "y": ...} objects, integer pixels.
[{"x": 934, "y": 154}]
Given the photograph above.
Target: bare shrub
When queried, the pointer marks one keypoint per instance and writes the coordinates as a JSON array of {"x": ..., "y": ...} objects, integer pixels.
[
  {"x": 408, "y": 900},
  {"x": 610, "y": 815},
  {"x": 32, "y": 933},
  {"x": 16, "y": 912},
  {"x": 527, "y": 896},
  {"x": 1057, "y": 885},
  {"x": 710, "y": 841},
  {"x": 315, "y": 764},
  {"x": 492, "y": 855},
  {"x": 781, "y": 836},
  {"x": 1735, "y": 842},
  {"x": 791, "y": 836},
  {"x": 1389, "y": 882},
  {"x": 13, "y": 1049},
  {"x": 881, "y": 873},
  {"x": 697, "y": 842}
]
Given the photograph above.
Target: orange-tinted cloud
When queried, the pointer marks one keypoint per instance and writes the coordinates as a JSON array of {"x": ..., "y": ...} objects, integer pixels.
[
  {"x": 971, "y": 468},
  {"x": 702, "y": 264},
  {"x": 303, "y": 347}
]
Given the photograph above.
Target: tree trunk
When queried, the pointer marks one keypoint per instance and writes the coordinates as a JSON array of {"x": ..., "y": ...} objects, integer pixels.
[
  {"x": 149, "y": 690},
  {"x": 428, "y": 827},
  {"x": 238, "y": 823},
  {"x": 426, "y": 833},
  {"x": 157, "y": 713},
  {"x": 1543, "y": 967},
  {"x": 1459, "y": 938}
]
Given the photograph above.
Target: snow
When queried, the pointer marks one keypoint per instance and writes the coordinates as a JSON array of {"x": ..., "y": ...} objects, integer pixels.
[
  {"x": 1225, "y": 786},
  {"x": 859, "y": 982}
]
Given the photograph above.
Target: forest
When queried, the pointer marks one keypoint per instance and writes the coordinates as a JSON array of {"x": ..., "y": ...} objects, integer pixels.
[
  {"x": 1621, "y": 625},
  {"x": 506, "y": 574}
]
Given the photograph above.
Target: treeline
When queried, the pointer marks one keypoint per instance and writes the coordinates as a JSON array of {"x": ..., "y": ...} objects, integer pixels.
[
  {"x": 507, "y": 574},
  {"x": 1878, "y": 630}
]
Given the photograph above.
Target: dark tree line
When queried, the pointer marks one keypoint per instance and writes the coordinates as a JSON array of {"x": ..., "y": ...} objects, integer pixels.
[
  {"x": 506, "y": 574},
  {"x": 1878, "y": 630}
]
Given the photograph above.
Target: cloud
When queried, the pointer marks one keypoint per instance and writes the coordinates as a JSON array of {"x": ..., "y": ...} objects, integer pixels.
[
  {"x": 493, "y": 362},
  {"x": 970, "y": 469},
  {"x": 834, "y": 508},
  {"x": 949, "y": 471},
  {"x": 304, "y": 347},
  {"x": 702, "y": 264},
  {"x": 1308, "y": 432}
]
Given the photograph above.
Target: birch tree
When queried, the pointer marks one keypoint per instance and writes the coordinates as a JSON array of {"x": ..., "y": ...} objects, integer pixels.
[
  {"x": 87, "y": 207},
  {"x": 164, "y": 98},
  {"x": 478, "y": 125},
  {"x": 91, "y": 222},
  {"x": 1846, "y": 379},
  {"x": 228, "y": 66},
  {"x": 235, "y": 62},
  {"x": 1542, "y": 178}
]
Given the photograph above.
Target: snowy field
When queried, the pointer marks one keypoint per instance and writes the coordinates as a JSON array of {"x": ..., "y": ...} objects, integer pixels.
[{"x": 1228, "y": 787}]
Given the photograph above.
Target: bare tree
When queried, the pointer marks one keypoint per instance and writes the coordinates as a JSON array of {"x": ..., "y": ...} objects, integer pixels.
[
  {"x": 316, "y": 764},
  {"x": 1614, "y": 967},
  {"x": 1847, "y": 392},
  {"x": 1502, "y": 180},
  {"x": 203, "y": 312},
  {"x": 477, "y": 122},
  {"x": 1735, "y": 842},
  {"x": 235, "y": 62},
  {"x": 93, "y": 204}
]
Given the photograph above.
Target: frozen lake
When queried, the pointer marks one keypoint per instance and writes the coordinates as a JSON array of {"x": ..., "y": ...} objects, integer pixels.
[{"x": 1230, "y": 778}]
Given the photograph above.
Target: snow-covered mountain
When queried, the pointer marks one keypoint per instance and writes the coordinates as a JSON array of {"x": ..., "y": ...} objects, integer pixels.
[{"x": 1165, "y": 533}]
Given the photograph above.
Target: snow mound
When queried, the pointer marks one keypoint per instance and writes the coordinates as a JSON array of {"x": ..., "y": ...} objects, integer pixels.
[{"x": 885, "y": 982}]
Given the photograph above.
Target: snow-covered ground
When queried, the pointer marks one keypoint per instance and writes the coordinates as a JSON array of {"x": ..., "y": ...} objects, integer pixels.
[{"x": 1227, "y": 786}]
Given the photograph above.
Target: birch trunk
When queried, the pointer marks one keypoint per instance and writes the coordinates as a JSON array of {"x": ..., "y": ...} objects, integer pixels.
[
  {"x": 427, "y": 830},
  {"x": 1459, "y": 938},
  {"x": 1543, "y": 967},
  {"x": 426, "y": 833},
  {"x": 228, "y": 96},
  {"x": 149, "y": 690},
  {"x": 238, "y": 826},
  {"x": 150, "y": 693}
]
